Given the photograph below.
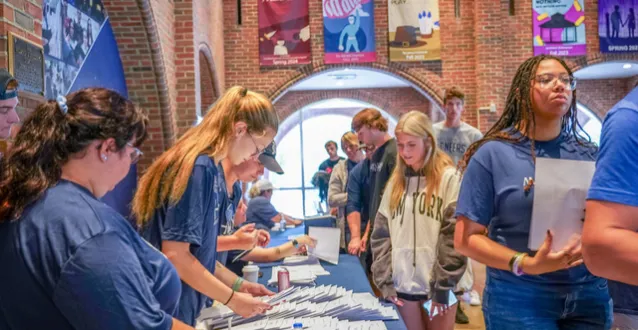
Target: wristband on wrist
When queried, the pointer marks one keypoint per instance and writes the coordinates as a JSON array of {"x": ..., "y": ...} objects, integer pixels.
[
  {"x": 232, "y": 293},
  {"x": 517, "y": 264},
  {"x": 237, "y": 284},
  {"x": 295, "y": 243}
]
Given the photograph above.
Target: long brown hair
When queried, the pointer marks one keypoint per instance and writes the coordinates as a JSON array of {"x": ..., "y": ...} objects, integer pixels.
[
  {"x": 167, "y": 178},
  {"x": 49, "y": 137},
  {"x": 418, "y": 124},
  {"x": 519, "y": 113}
]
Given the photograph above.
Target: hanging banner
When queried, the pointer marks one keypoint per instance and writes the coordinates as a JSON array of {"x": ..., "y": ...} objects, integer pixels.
[
  {"x": 617, "y": 26},
  {"x": 284, "y": 32},
  {"x": 559, "y": 27},
  {"x": 348, "y": 30},
  {"x": 413, "y": 27}
]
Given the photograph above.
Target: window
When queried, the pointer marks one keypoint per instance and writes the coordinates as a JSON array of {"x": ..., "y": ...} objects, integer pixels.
[
  {"x": 300, "y": 150},
  {"x": 591, "y": 124}
]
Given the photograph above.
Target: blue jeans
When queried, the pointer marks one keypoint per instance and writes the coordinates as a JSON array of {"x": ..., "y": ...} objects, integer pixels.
[{"x": 508, "y": 306}]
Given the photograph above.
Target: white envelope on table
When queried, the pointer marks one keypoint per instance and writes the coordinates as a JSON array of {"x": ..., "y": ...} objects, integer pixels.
[
  {"x": 328, "y": 242},
  {"x": 560, "y": 192}
]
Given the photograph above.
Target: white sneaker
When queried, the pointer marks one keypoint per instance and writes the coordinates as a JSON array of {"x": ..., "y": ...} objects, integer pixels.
[{"x": 475, "y": 299}]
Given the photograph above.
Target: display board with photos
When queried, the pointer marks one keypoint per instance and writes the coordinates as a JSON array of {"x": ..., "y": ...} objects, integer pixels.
[{"x": 69, "y": 29}]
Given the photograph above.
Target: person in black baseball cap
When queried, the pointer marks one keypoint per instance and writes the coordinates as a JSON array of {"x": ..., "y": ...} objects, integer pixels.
[
  {"x": 267, "y": 158},
  {"x": 8, "y": 103}
]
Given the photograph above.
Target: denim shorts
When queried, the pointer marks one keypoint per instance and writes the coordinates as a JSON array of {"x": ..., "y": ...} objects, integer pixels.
[{"x": 508, "y": 306}]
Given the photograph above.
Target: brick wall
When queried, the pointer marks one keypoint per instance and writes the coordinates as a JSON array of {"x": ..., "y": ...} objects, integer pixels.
[
  {"x": 600, "y": 95},
  {"x": 24, "y": 19},
  {"x": 481, "y": 51},
  {"x": 157, "y": 41},
  {"x": 396, "y": 101}
]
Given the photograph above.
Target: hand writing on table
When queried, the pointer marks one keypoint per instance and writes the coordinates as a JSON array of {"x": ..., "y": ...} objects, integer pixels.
[
  {"x": 263, "y": 238},
  {"x": 246, "y": 306},
  {"x": 246, "y": 236},
  {"x": 255, "y": 289},
  {"x": 546, "y": 261},
  {"x": 354, "y": 247},
  {"x": 305, "y": 241}
]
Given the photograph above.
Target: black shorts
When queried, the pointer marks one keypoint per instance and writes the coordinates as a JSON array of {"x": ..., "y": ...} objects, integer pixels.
[{"x": 412, "y": 297}]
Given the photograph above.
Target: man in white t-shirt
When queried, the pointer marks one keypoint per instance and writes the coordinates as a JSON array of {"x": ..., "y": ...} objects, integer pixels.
[{"x": 454, "y": 137}]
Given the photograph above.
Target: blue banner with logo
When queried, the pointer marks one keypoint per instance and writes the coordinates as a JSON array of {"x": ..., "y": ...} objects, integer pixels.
[{"x": 80, "y": 52}]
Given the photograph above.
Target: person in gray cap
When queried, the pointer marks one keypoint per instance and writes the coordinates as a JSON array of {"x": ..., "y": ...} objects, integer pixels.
[{"x": 8, "y": 103}]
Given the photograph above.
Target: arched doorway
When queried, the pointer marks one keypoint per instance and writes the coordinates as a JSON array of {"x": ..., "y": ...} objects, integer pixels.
[
  {"x": 300, "y": 150},
  {"x": 207, "y": 87}
]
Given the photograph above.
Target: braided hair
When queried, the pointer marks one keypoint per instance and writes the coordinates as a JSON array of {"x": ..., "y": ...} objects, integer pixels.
[{"x": 518, "y": 114}]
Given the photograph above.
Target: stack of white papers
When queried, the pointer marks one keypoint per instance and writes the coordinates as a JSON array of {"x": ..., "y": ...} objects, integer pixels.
[
  {"x": 317, "y": 304},
  {"x": 311, "y": 323},
  {"x": 301, "y": 274}
]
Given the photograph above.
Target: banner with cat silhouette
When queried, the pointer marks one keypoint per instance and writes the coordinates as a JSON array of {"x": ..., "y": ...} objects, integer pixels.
[
  {"x": 284, "y": 32},
  {"x": 413, "y": 27},
  {"x": 348, "y": 31}
]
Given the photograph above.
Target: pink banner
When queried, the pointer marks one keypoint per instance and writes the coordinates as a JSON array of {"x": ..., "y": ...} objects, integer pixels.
[{"x": 284, "y": 32}]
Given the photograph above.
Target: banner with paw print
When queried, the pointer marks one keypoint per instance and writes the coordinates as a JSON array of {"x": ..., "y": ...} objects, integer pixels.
[
  {"x": 284, "y": 32},
  {"x": 413, "y": 30}
]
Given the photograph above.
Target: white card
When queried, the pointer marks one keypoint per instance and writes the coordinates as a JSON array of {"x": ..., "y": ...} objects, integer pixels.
[{"x": 328, "y": 241}]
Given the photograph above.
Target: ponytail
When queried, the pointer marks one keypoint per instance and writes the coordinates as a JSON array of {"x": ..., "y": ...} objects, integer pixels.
[
  {"x": 34, "y": 162},
  {"x": 53, "y": 133}
]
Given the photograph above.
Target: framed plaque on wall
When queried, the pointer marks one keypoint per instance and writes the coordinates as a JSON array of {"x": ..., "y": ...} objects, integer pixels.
[{"x": 26, "y": 63}]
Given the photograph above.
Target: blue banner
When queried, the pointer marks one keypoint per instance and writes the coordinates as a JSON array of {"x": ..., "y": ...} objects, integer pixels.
[
  {"x": 617, "y": 26},
  {"x": 348, "y": 29}
]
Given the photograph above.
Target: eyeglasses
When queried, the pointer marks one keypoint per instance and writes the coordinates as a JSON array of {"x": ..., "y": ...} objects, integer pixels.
[
  {"x": 550, "y": 80},
  {"x": 257, "y": 150},
  {"x": 135, "y": 154}
]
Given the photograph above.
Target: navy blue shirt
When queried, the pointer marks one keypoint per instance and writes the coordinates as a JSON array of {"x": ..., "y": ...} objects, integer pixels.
[
  {"x": 492, "y": 194},
  {"x": 260, "y": 212},
  {"x": 616, "y": 178},
  {"x": 194, "y": 219},
  {"x": 228, "y": 205},
  {"x": 72, "y": 262},
  {"x": 359, "y": 192}
]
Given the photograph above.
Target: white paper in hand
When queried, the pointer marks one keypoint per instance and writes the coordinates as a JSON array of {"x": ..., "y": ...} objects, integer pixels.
[
  {"x": 328, "y": 241},
  {"x": 560, "y": 191}
]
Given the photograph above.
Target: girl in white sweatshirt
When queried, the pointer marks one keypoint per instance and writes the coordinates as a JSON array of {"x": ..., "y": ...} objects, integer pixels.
[{"x": 413, "y": 237}]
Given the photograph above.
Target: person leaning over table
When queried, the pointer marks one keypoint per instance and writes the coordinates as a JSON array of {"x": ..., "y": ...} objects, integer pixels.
[
  {"x": 178, "y": 202},
  {"x": 260, "y": 210},
  {"x": 247, "y": 171},
  {"x": 70, "y": 261}
]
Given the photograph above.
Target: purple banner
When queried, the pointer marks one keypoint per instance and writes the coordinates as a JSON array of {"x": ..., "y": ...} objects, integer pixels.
[
  {"x": 559, "y": 27},
  {"x": 617, "y": 26}
]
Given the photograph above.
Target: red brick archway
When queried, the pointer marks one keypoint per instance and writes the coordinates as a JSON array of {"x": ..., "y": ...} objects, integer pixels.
[
  {"x": 395, "y": 101},
  {"x": 419, "y": 82},
  {"x": 144, "y": 69}
]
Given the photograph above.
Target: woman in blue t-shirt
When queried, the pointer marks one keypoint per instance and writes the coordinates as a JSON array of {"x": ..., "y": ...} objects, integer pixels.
[
  {"x": 178, "y": 203},
  {"x": 549, "y": 288},
  {"x": 69, "y": 261}
]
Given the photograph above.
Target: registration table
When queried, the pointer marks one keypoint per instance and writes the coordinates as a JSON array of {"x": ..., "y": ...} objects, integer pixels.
[{"x": 348, "y": 273}]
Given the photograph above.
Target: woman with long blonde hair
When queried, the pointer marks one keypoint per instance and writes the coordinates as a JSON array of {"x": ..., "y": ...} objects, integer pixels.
[
  {"x": 178, "y": 200},
  {"x": 414, "y": 228}
]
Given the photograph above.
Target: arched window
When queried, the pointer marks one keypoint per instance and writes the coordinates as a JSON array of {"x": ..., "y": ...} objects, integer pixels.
[{"x": 300, "y": 150}]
